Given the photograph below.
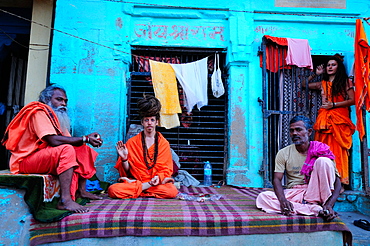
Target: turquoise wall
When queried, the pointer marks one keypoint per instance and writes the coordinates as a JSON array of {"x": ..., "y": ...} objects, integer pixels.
[{"x": 95, "y": 75}]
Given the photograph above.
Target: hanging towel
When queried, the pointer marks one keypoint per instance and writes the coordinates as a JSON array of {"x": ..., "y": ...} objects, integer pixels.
[
  {"x": 216, "y": 79},
  {"x": 299, "y": 53},
  {"x": 362, "y": 73},
  {"x": 165, "y": 89},
  {"x": 193, "y": 78}
]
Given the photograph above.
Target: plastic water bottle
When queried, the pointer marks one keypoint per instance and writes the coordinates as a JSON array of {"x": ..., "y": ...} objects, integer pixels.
[{"x": 207, "y": 173}]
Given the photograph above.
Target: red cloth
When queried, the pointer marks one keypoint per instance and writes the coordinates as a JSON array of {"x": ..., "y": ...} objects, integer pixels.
[
  {"x": 23, "y": 135},
  {"x": 139, "y": 171},
  {"x": 276, "y": 52},
  {"x": 56, "y": 160},
  {"x": 362, "y": 79}
]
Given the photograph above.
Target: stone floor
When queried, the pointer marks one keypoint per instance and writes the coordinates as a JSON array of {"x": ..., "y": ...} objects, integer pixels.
[{"x": 361, "y": 237}]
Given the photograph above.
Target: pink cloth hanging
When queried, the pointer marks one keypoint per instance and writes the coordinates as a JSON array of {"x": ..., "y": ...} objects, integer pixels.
[{"x": 299, "y": 53}]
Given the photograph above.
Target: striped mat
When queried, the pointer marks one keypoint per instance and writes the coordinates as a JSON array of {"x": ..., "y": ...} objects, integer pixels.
[{"x": 234, "y": 214}]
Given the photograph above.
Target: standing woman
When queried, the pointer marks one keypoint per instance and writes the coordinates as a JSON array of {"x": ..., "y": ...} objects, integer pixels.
[{"x": 333, "y": 125}]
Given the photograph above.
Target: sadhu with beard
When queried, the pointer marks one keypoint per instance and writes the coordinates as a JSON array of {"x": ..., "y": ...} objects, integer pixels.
[
  {"x": 40, "y": 142},
  {"x": 145, "y": 161}
]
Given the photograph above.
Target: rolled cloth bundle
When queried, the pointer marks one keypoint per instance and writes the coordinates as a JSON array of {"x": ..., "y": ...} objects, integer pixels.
[{"x": 149, "y": 106}]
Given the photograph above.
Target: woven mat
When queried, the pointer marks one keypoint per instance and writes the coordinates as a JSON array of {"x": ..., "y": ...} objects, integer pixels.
[{"x": 234, "y": 214}]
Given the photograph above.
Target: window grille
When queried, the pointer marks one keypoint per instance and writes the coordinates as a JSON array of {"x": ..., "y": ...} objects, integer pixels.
[{"x": 199, "y": 138}]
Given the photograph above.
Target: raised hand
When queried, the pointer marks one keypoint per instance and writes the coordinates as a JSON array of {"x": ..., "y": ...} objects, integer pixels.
[
  {"x": 320, "y": 69},
  {"x": 122, "y": 150}
]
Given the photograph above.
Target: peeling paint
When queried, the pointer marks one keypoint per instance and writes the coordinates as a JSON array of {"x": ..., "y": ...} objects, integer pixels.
[
  {"x": 119, "y": 23},
  {"x": 241, "y": 179}
]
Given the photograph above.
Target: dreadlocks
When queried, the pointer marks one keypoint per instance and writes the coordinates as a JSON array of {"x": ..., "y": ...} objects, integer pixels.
[{"x": 149, "y": 106}]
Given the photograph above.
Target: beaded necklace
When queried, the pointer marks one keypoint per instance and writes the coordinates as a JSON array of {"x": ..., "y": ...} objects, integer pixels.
[{"x": 146, "y": 152}]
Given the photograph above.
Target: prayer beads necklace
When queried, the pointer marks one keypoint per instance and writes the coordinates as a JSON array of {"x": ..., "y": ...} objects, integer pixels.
[{"x": 146, "y": 152}]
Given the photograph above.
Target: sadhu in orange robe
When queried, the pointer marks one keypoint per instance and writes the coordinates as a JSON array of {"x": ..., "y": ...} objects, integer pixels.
[
  {"x": 139, "y": 171},
  {"x": 30, "y": 154},
  {"x": 334, "y": 128}
]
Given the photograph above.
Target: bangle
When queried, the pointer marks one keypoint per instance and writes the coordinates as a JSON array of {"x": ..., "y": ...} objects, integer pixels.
[
  {"x": 84, "y": 139},
  {"x": 333, "y": 105},
  {"x": 124, "y": 160}
]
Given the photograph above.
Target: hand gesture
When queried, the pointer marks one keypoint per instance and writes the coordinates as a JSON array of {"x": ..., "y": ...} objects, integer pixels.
[
  {"x": 154, "y": 181},
  {"x": 320, "y": 69},
  {"x": 327, "y": 105},
  {"x": 168, "y": 180},
  {"x": 122, "y": 150},
  {"x": 95, "y": 139}
]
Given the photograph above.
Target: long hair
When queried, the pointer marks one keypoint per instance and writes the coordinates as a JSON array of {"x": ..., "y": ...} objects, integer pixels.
[
  {"x": 341, "y": 78},
  {"x": 48, "y": 92}
]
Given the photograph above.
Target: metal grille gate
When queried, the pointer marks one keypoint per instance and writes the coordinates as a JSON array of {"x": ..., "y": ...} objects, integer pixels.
[
  {"x": 200, "y": 137},
  {"x": 283, "y": 98}
]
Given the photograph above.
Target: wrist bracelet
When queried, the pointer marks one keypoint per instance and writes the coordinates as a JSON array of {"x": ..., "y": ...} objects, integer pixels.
[
  {"x": 84, "y": 139},
  {"x": 124, "y": 160},
  {"x": 333, "y": 105}
]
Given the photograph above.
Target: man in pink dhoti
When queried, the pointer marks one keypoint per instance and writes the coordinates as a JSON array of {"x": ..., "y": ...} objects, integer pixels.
[
  {"x": 313, "y": 182},
  {"x": 38, "y": 138}
]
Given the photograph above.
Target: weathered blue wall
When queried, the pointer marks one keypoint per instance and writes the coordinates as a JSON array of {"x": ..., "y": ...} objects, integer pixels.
[{"x": 95, "y": 76}]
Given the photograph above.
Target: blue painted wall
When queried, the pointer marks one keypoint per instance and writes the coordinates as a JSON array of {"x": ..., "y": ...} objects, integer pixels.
[{"x": 95, "y": 75}]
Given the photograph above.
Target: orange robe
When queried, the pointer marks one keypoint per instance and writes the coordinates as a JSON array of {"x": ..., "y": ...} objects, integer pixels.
[
  {"x": 30, "y": 154},
  {"x": 139, "y": 171},
  {"x": 334, "y": 128},
  {"x": 362, "y": 76}
]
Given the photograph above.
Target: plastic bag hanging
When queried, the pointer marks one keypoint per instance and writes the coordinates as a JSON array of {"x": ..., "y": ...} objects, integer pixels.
[{"x": 216, "y": 80}]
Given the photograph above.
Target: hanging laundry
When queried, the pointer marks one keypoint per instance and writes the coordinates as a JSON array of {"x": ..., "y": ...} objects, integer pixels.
[
  {"x": 362, "y": 73},
  {"x": 276, "y": 50},
  {"x": 216, "y": 79},
  {"x": 193, "y": 78},
  {"x": 299, "y": 53},
  {"x": 165, "y": 89}
]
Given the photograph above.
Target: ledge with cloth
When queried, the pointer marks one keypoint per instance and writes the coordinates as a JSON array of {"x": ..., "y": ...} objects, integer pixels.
[
  {"x": 235, "y": 214},
  {"x": 42, "y": 192}
]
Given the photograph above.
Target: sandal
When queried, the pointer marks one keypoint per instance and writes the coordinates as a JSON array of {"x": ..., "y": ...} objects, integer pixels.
[{"x": 364, "y": 224}]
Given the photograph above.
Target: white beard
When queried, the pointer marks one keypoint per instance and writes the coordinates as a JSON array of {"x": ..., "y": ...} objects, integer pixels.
[{"x": 64, "y": 120}]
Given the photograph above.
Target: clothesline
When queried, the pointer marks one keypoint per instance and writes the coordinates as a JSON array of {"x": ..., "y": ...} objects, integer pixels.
[{"x": 108, "y": 47}]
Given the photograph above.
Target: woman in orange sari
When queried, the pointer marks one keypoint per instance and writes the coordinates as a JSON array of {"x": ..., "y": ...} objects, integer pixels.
[{"x": 333, "y": 125}]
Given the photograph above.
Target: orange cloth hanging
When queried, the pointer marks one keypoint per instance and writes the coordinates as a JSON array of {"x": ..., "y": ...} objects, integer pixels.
[{"x": 362, "y": 67}]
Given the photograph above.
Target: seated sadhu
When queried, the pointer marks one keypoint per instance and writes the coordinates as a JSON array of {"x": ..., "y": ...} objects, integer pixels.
[
  {"x": 145, "y": 162},
  {"x": 38, "y": 138}
]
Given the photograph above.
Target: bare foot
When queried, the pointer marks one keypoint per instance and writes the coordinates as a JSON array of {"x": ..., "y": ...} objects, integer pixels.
[
  {"x": 70, "y": 205},
  {"x": 85, "y": 194}
]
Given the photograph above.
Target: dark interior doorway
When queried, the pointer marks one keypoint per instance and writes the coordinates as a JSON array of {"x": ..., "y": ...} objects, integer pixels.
[{"x": 14, "y": 43}]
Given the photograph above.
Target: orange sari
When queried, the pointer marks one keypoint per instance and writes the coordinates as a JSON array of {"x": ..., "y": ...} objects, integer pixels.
[{"x": 334, "y": 128}]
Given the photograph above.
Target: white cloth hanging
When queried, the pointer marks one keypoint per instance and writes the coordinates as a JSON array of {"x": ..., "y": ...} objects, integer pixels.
[
  {"x": 216, "y": 79},
  {"x": 193, "y": 78}
]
